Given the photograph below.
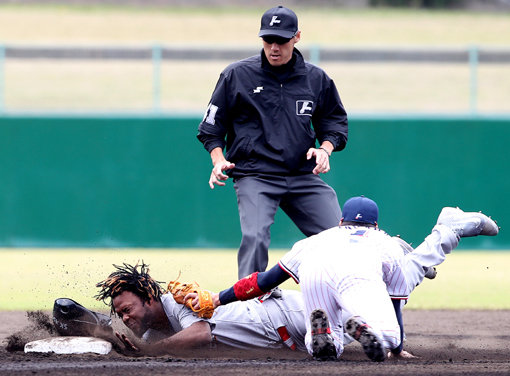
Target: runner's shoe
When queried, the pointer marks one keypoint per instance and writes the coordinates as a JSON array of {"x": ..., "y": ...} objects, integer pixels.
[
  {"x": 323, "y": 346},
  {"x": 364, "y": 334},
  {"x": 72, "y": 319}
]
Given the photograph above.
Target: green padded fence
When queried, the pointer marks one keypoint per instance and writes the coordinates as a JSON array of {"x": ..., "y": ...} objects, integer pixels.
[{"x": 114, "y": 181}]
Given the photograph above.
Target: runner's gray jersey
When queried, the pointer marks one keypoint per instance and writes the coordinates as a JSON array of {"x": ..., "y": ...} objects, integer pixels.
[{"x": 248, "y": 324}]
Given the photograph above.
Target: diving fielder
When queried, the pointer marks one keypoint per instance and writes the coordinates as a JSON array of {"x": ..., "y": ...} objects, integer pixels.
[{"x": 352, "y": 268}]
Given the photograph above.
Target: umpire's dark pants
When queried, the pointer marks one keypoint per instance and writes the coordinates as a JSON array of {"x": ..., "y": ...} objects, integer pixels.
[{"x": 308, "y": 201}]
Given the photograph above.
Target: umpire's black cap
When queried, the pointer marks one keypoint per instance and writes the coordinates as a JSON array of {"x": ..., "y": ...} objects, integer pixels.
[{"x": 279, "y": 21}]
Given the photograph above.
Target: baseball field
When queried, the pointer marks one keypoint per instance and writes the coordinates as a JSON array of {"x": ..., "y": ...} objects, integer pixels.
[
  {"x": 466, "y": 280},
  {"x": 458, "y": 323}
]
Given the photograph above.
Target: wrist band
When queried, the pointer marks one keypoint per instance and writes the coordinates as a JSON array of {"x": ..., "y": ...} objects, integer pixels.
[
  {"x": 247, "y": 287},
  {"x": 329, "y": 155}
]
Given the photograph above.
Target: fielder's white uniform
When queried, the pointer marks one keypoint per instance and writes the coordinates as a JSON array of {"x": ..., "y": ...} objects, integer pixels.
[
  {"x": 354, "y": 268},
  {"x": 248, "y": 324}
]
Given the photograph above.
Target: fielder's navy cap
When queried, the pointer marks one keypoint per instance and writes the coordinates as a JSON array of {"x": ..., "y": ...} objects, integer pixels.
[
  {"x": 279, "y": 21},
  {"x": 360, "y": 209}
]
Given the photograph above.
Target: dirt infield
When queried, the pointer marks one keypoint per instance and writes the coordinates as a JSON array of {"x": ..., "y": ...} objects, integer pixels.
[{"x": 447, "y": 343}]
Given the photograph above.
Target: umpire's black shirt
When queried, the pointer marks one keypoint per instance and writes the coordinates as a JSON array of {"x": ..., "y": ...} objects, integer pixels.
[{"x": 268, "y": 117}]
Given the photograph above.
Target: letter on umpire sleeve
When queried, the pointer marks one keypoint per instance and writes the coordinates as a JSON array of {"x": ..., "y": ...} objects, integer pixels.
[{"x": 210, "y": 114}]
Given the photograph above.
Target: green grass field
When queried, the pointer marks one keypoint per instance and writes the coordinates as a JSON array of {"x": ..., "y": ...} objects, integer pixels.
[{"x": 34, "y": 278}]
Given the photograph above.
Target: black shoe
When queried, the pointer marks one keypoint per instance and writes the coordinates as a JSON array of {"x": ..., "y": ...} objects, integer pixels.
[
  {"x": 364, "y": 334},
  {"x": 72, "y": 319},
  {"x": 323, "y": 346}
]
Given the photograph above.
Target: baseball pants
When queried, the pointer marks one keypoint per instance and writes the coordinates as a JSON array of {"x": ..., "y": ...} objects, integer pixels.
[{"x": 307, "y": 200}]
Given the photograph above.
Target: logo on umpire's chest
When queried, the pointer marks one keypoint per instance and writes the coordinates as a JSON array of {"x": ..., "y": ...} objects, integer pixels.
[{"x": 304, "y": 108}]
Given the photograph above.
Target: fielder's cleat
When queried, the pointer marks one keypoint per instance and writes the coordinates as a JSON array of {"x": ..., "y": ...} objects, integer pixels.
[
  {"x": 364, "y": 334},
  {"x": 466, "y": 224},
  {"x": 430, "y": 272},
  {"x": 323, "y": 346}
]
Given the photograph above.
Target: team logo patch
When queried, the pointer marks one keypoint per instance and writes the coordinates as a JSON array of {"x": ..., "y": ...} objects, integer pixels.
[{"x": 304, "y": 108}]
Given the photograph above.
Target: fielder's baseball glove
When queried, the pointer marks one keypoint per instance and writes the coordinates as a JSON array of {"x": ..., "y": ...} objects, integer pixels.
[{"x": 180, "y": 290}]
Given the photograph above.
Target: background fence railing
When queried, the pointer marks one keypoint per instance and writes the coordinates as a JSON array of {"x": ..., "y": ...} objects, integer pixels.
[{"x": 156, "y": 55}]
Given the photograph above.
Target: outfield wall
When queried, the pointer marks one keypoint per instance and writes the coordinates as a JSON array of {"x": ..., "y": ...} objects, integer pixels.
[{"x": 115, "y": 181}]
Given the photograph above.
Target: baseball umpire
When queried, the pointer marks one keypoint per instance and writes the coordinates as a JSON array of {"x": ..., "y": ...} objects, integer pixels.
[{"x": 279, "y": 118}]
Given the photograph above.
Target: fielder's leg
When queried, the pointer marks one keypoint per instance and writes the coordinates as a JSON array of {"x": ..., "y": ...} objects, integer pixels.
[
  {"x": 373, "y": 323},
  {"x": 466, "y": 224},
  {"x": 323, "y": 314}
]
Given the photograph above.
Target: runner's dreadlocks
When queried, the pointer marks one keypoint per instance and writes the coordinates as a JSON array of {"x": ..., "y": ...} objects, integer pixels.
[{"x": 128, "y": 278}]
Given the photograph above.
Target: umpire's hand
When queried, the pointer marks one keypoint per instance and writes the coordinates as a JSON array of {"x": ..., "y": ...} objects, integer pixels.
[
  {"x": 321, "y": 158},
  {"x": 217, "y": 175}
]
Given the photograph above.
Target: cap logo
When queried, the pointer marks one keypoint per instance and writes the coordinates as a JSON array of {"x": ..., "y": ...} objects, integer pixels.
[
  {"x": 274, "y": 20},
  {"x": 359, "y": 216}
]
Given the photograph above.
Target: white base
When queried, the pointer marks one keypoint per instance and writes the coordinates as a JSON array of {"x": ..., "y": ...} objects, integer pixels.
[{"x": 69, "y": 345}]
